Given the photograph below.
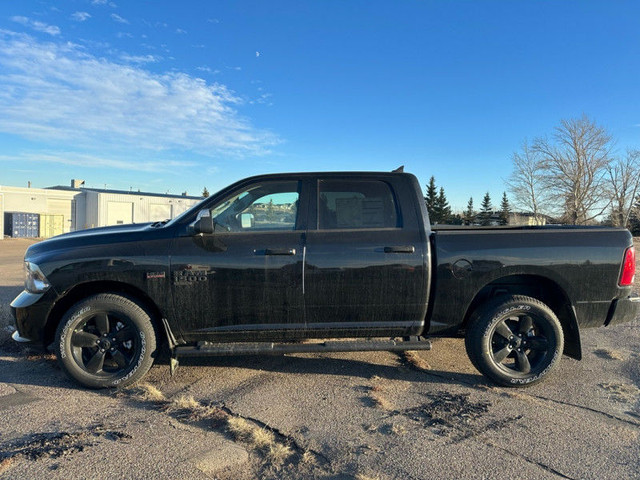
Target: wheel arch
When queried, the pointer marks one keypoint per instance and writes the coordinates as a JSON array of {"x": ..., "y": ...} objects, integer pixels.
[
  {"x": 85, "y": 290},
  {"x": 541, "y": 288}
]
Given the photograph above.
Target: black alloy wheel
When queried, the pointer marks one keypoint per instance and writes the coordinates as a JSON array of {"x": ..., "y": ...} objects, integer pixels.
[
  {"x": 515, "y": 340},
  {"x": 105, "y": 344},
  {"x": 106, "y": 340}
]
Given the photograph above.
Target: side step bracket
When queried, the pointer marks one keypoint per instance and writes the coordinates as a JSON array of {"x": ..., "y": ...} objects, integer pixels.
[{"x": 270, "y": 348}]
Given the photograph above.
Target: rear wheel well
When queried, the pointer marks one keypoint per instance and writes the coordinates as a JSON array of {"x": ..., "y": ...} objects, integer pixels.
[
  {"x": 84, "y": 290},
  {"x": 543, "y": 289}
]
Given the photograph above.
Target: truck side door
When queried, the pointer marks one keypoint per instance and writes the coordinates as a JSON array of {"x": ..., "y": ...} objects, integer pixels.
[
  {"x": 365, "y": 264},
  {"x": 244, "y": 280}
]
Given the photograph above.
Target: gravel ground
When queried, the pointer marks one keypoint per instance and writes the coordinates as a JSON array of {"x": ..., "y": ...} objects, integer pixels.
[{"x": 351, "y": 415}]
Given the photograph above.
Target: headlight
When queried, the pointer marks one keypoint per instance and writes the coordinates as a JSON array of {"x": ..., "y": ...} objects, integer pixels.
[{"x": 34, "y": 279}]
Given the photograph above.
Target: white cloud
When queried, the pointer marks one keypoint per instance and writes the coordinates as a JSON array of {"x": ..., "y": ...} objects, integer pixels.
[
  {"x": 180, "y": 31},
  {"x": 36, "y": 25},
  {"x": 92, "y": 161},
  {"x": 118, "y": 18},
  {"x": 80, "y": 16},
  {"x": 103, "y": 2},
  {"x": 58, "y": 92},
  {"x": 140, "y": 58}
]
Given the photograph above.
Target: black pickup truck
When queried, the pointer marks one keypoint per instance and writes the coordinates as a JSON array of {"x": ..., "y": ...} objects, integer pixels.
[{"x": 277, "y": 263}]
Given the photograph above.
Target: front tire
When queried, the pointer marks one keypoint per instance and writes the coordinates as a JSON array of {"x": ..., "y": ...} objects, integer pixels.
[
  {"x": 106, "y": 340},
  {"x": 515, "y": 341}
]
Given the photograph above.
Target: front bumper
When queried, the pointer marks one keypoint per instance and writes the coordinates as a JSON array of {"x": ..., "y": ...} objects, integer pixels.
[
  {"x": 30, "y": 311},
  {"x": 624, "y": 310}
]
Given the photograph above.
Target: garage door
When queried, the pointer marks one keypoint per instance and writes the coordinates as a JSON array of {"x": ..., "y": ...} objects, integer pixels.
[
  {"x": 159, "y": 212},
  {"x": 51, "y": 225},
  {"x": 119, "y": 213}
]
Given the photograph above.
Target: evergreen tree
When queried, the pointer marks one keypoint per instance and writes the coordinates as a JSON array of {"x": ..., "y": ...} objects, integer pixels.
[
  {"x": 442, "y": 208},
  {"x": 456, "y": 219},
  {"x": 470, "y": 213},
  {"x": 205, "y": 192},
  {"x": 486, "y": 209},
  {"x": 431, "y": 199},
  {"x": 634, "y": 218},
  {"x": 505, "y": 209}
]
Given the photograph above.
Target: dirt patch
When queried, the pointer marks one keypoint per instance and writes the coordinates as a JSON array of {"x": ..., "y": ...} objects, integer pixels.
[
  {"x": 54, "y": 444},
  {"x": 457, "y": 417},
  {"x": 448, "y": 410}
]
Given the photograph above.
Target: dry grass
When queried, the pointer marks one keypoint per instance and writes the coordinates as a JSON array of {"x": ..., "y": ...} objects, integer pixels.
[
  {"x": 362, "y": 476},
  {"x": 380, "y": 401},
  {"x": 212, "y": 413},
  {"x": 412, "y": 357},
  {"x": 398, "y": 429},
  {"x": 609, "y": 354},
  {"x": 184, "y": 402},
  {"x": 262, "y": 438},
  {"x": 308, "y": 458},
  {"x": 147, "y": 393},
  {"x": 187, "y": 406},
  {"x": 6, "y": 463},
  {"x": 278, "y": 453},
  {"x": 376, "y": 393},
  {"x": 376, "y": 388},
  {"x": 240, "y": 427}
]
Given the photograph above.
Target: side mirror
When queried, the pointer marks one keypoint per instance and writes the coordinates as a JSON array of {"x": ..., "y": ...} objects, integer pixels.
[
  {"x": 247, "y": 220},
  {"x": 204, "y": 224}
]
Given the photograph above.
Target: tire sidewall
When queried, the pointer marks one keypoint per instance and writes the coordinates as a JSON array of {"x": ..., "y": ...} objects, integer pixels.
[
  {"x": 481, "y": 335},
  {"x": 85, "y": 309}
]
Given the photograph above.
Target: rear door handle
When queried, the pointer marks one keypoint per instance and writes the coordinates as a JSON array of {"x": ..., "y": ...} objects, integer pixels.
[
  {"x": 400, "y": 249},
  {"x": 280, "y": 251}
]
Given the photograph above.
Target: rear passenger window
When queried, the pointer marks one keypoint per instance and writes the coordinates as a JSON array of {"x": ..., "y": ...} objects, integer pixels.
[{"x": 356, "y": 204}]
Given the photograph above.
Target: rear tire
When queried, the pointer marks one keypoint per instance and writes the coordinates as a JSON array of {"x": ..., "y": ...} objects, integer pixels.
[
  {"x": 106, "y": 340},
  {"x": 515, "y": 341}
]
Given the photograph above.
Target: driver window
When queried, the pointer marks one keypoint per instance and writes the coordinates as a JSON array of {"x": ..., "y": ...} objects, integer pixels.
[{"x": 264, "y": 207}]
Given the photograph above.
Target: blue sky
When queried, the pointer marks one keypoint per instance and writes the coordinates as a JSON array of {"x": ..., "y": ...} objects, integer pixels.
[{"x": 170, "y": 96}]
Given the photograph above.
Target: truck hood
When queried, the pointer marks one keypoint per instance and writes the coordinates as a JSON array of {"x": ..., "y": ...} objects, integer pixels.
[{"x": 91, "y": 237}]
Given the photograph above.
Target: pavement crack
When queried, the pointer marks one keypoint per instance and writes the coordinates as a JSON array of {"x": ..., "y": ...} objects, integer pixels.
[
  {"x": 280, "y": 436},
  {"x": 530, "y": 460},
  {"x": 589, "y": 409}
]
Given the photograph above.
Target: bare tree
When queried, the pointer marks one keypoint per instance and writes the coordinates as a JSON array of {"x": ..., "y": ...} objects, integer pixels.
[
  {"x": 624, "y": 181},
  {"x": 575, "y": 163},
  {"x": 526, "y": 182}
]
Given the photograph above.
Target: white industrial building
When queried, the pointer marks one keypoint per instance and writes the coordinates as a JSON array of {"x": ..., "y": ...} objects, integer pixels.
[{"x": 65, "y": 209}]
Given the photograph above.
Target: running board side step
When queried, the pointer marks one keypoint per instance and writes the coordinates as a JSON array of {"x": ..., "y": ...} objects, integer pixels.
[{"x": 270, "y": 348}]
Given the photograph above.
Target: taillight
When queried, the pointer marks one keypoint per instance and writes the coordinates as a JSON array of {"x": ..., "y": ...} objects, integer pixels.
[{"x": 628, "y": 268}]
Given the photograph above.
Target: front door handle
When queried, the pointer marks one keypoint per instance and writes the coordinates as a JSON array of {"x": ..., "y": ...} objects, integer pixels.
[
  {"x": 400, "y": 249},
  {"x": 280, "y": 251}
]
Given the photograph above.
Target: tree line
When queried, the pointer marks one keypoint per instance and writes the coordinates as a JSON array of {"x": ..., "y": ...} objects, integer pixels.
[
  {"x": 440, "y": 211},
  {"x": 572, "y": 176}
]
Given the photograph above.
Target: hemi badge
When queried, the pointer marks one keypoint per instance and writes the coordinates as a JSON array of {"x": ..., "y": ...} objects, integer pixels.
[{"x": 151, "y": 275}]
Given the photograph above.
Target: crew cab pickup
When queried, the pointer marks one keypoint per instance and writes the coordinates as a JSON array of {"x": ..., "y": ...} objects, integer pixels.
[{"x": 320, "y": 262}]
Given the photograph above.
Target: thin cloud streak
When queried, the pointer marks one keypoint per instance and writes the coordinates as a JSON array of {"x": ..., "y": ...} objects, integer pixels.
[
  {"x": 92, "y": 161},
  {"x": 80, "y": 16},
  {"x": 58, "y": 92},
  {"x": 36, "y": 25},
  {"x": 118, "y": 18}
]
